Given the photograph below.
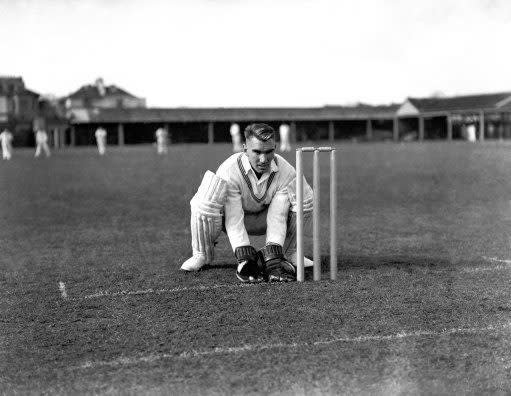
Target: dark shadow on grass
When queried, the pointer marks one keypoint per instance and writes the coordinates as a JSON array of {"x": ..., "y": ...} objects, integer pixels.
[
  {"x": 220, "y": 265},
  {"x": 401, "y": 262},
  {"x": 407, "y": 263}
]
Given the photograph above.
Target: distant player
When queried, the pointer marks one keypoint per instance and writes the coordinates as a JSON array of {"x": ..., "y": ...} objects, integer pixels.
[
  {"x": 237, "y": 144},
  {"x": 6, "y": 140},
  {"x": 101, "y": 140},
  {"x": 41, "y": 140},
  {"x": 471, "y": 133},
  {"x": 161, "y": 140},
  {"x": 284, "y": 138},
  {"x": 252, "y": 193}
]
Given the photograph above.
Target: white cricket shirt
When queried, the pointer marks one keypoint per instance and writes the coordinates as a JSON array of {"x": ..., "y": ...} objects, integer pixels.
[
  {"x": 5, "y": 138},
  {"x": 41, "y": 136},
  {"x": 247, "y": 194}
]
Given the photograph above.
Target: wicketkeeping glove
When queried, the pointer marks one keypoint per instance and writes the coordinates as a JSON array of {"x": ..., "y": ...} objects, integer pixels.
[
  {"x": 248, "y": 270},
  {"x": 276, "y": 266}
]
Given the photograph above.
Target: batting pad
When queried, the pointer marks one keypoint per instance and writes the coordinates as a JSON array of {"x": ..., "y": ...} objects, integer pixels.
[
  {"x": 207, "y": 211},
  {"x": 308, "y": 196},
  {"x": 290, "y": 241}
]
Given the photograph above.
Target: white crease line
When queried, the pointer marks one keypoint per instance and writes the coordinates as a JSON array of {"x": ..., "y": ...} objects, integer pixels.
[
  {"x": 483, "y": 269},
  {"x": 260, "y": 347},
  {"x": 62, "y": 288},
  {"x": 504, "y": 265},
  {"x": 160, "y": 291},
  {"x": 497, "y": 260},
  {"x": 238, "y": 285}
]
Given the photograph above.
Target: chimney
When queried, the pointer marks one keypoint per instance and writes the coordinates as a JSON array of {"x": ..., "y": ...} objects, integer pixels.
[{"x": 100, "y": 85}]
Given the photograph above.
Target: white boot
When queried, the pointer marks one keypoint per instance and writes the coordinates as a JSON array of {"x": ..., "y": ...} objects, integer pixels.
[
  {"x": 194, "y": 263},
  {"x": 306, "y": 262}
]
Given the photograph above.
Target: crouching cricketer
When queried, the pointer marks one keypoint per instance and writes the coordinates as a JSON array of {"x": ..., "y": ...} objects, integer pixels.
[{"x": 252, "y": 193}]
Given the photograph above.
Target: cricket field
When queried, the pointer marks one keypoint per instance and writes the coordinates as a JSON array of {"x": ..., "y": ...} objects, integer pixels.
[{"x": 92, "y": 300}]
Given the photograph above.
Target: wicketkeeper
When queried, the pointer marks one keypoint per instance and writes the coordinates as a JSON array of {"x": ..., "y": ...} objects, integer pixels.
[{"x": 252, "y": 193}]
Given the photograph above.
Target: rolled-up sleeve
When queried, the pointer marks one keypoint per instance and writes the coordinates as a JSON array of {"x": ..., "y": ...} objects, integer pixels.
[{"x": 276, "y": 219}]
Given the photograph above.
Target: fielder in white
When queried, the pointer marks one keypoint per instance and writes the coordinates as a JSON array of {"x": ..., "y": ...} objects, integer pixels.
[
  {"x": 101, "y": 140},
  {"x": 284, "y": 138},
  {"x": 237, "y": 144},
  {"x": 41, "y": 140},
  {"x": 252, "y": 193},
  {"x": 471, "y": 133},
  {"x": 161, "y": 140},
  {"x": 6, "y": 140}
]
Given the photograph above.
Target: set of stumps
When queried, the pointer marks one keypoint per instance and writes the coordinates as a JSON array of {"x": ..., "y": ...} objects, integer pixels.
[{"x": 300, "y": 276}]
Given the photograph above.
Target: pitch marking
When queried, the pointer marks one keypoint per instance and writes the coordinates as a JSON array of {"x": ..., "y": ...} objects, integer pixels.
[
  {"x": 62, "y": 288},
  {"x": 234, "y": 286},
  {"x": 160, "y": 291},
  {"x": 497, "y": 260},
  {"x": 503, "y": 265},
  {"x": 261, "y": 347}
]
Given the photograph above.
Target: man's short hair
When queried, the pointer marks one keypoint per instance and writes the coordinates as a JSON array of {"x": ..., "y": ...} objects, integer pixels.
[{"x": 261, "y": 131}]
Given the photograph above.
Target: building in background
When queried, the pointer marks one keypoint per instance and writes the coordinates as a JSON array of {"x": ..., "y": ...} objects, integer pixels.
[
  {"x": 72, "y": 120},
  {"x": 416, "y": 119},
  {"x": 101, "y": 96},
  {"x": 211, "y": 125},
  {"x": 455, "y": 117},
  {"x": 19, "y": 107},
  {"x": 52, "y": 117},
  {"x": 93, "y": 98}
]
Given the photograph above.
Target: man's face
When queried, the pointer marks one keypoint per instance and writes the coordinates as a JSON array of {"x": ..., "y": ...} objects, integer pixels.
[{"x": 260, "y": 153}]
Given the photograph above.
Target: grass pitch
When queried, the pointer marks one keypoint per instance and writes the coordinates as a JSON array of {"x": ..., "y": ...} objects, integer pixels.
[{"x": 92, "y": 301}]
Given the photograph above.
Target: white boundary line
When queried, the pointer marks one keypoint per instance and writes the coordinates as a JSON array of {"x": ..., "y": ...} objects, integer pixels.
[{"x": 302, "y": 345}]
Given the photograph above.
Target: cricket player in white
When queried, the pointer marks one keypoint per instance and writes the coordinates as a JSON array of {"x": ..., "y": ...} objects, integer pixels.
[
  {"x": 252, "y": 193},
  {"x": 101, "y": 140},
  {"x": 284, "y": 138},
  {"x": 6, "y": 140},
  {"x": 471, "y": 133},
  {"x": 161, "y": 140},
  {"x": 237, "y": 145},
  {"x": 41, "y": 140}
]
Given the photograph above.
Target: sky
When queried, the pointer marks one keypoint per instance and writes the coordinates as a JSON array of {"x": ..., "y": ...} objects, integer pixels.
[{"x": 249, "y": 53}]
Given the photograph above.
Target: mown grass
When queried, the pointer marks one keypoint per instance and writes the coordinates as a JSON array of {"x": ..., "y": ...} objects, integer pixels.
[{"x": 417, "y": 224}]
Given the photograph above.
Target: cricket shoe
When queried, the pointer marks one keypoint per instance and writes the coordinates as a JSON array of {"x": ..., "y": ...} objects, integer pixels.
[
  {"x": 306, "y": 262},
  {"x": 194, "y": 263}
]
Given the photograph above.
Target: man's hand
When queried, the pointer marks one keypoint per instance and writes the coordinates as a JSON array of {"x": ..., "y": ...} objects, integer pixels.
[
  {"x": 276, "y": 266},
  {"x": 248, "y": 270}
]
